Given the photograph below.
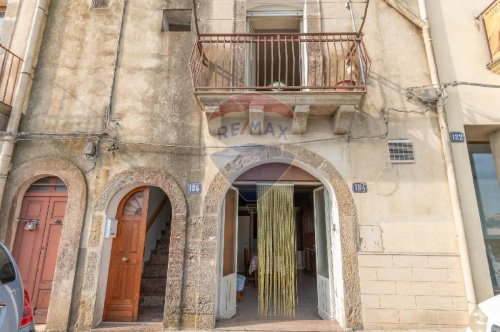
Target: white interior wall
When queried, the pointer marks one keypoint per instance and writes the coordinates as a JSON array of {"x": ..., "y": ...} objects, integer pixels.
[
  {"x": 156, "y": 196},
  {"x": 243, "y": 240}
]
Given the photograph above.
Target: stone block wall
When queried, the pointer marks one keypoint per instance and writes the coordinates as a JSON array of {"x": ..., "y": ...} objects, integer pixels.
[{"x": 412, "y": 291}]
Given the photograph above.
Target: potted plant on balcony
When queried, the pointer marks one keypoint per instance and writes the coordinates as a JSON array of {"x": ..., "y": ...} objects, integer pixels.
[
  {"x": 277, "y": 84},
  {"x": 348, "y": 81}
]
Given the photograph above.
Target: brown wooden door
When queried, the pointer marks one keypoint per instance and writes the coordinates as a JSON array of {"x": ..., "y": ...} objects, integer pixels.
[
  {"x": 35, "y": 250},
  {"x": 125, "y": 266},
  {"x": 48, "y": 256}
]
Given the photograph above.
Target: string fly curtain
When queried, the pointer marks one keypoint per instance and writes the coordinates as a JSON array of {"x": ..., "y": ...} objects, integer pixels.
[{"x": 276, "y": 250}]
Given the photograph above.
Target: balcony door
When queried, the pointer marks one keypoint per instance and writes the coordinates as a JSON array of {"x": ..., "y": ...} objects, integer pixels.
[{"x": 275, "y": 57}]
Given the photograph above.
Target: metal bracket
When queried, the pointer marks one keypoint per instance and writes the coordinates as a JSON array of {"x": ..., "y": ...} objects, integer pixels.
[{"x": 30, "y": 224}]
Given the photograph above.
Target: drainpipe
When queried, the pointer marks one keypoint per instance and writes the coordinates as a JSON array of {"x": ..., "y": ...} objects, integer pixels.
[
  {"x": 423, "y": 24},
  {"x": 22, "y": 89}
]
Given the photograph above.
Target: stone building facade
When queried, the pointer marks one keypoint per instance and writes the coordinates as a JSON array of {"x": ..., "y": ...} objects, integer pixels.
[{"x": 116, "y": 102}]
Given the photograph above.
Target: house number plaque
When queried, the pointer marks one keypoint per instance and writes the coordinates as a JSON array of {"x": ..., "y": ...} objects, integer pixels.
[
  {"x": 457, "y": 137},
  {"x": 359, "y": 187},
  {"x": 194, "y": 188}
]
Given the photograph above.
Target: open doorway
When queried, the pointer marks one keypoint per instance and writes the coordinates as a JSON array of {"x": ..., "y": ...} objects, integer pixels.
[
  {"x": 136, "y": 281},
  {"x": 241, "y": 242}
]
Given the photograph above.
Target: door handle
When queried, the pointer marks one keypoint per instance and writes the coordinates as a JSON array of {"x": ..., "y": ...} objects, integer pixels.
[
  {"x": 2, "y": 305},
  {"x": 57, "y": 221},
  {"x": 124, "y": 259}
]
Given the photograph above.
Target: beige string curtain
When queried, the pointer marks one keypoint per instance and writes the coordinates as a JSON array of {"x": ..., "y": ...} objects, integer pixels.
[{"x": 276, "y": 250}]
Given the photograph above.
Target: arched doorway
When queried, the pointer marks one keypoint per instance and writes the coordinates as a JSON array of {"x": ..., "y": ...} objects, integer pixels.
[
  {"x": 37, "y": 238},
  {"x": 277, "y": 228},
  {"x": 138, "y": 263}
]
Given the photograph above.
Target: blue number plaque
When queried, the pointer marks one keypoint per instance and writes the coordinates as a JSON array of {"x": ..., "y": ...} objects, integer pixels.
[{"x": 194, "y": 188}]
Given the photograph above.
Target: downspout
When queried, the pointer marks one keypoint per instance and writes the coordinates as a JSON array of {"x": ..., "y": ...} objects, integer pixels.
[
  {"x": 423, "y": 23},
  {"x": 22, "y": 90}
]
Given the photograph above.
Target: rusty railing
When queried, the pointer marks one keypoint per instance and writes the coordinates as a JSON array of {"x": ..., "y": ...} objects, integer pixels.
[
  {"x": 9, "y": 75},
  {"x": 279, "y": 62}
]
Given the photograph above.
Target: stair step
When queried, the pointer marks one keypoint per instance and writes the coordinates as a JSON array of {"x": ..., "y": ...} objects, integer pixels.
[
  {"x": 161, "y": 250},
  {"x": 156, "y": 284},
  {"x": 163, "y": 240},
  {"x": 159, "y": 258},
  {"x": 152, "y": 300},
  {"x": 152, "y": 270}
]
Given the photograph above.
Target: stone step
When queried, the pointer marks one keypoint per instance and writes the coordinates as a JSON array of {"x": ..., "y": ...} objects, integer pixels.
[
  {"x": 154, "y": 299},
  {"x": 161, "y": 249},
  {"x": 159, "y": 258},
  {"x": 152, "y": 270},
  {"x": 154, "y": 284},
  {"x": 163, "y": 240}
]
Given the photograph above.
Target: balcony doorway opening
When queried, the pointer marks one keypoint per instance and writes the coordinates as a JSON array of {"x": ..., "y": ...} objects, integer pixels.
[{"x": 275, "y": 59}]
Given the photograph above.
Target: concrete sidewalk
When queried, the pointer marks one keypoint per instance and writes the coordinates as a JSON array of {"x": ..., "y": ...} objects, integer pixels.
[{"x": 270, "y": 326}]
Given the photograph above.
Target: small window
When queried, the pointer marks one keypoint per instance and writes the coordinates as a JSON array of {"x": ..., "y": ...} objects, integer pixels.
[
  {"x": 7, "y": 271},
  {"x": 401, "y": 151},
  {"x": 176, "y": 20},
  {"x": 2, "y": 15},
  {"x": 48, "y": 184},
  {"x": 490, "y": 18},
  {"x": 99, "y": 4}
]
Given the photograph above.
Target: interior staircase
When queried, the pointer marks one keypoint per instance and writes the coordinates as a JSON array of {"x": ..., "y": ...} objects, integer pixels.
[{"x": 154, "y": 281}]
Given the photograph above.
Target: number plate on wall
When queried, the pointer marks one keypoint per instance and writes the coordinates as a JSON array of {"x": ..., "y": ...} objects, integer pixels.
[
  {"x": 457, "y": 137},
  {"x": 194, "y": 188},
  {"x": 359, "y": 187}
]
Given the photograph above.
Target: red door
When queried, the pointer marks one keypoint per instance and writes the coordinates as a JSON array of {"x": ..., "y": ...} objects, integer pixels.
[
  {"x": 125, "y": 266},
  {"x": 37, "y": 240}
]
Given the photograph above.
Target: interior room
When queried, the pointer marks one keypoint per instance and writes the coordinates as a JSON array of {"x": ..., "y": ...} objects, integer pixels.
[{"x": 247, "y": 261}]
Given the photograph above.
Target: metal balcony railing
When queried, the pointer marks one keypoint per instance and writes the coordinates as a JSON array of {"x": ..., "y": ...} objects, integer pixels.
[
  {"x": 9, "y": 75},
  {"x": 279, "y": 62}
]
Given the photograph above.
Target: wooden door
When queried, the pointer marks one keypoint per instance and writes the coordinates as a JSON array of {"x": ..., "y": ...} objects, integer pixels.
[
  {"x": 228, "y": 255},
  {"x": 125, "y": 266},
  {"x": 35, "y": 249}
]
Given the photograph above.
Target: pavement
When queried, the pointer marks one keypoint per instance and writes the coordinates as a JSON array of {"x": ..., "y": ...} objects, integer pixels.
[{"x": 257, "y": 326}]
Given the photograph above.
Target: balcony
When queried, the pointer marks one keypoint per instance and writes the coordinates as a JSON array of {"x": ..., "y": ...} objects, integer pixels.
[
  {"x": 9, "y": 76},
  {"x": 304, "y": 74}
]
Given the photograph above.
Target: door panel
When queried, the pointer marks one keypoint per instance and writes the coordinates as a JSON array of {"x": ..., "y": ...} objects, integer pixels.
[
  {"x": 35, "y": 250},
  {"x": 125, "y": 266},
  {"x": 322, "y": 233},
  {"x": 48, "y": 257},
  {"x": 228, "y": 237},
  {"x": 28, "y": 243}
]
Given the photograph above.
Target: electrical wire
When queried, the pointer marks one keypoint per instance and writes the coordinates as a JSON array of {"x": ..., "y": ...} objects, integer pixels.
[
  {"x": 24, "y": 136},
  {"x": 458, "y": 83}
]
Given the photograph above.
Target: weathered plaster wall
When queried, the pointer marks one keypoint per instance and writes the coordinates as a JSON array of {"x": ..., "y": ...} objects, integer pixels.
[
  {"x": 156, "y": 130},
  {"x": 400, "y": 215},
  {"x": 66, "y": 264},
  {"x": 471, "y": 110}
]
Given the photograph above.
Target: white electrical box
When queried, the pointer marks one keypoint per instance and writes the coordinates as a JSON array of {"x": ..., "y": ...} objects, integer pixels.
[{"x": 110, "y": 230}]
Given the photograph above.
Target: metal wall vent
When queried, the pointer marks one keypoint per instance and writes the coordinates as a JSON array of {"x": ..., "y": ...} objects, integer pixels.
[
  {"x": 401, "y": 151},
  {"x": 100, "y": 3}
]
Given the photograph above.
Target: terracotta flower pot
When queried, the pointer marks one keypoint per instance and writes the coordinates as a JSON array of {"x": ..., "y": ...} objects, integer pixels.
[{"x": 345, "y": 84}]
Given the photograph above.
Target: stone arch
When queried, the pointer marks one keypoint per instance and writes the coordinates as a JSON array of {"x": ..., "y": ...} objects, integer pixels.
[
  {"x": 121, "y": 183},
  {"x": 324, "y": 171},
  {"x": 18, "y": 183}
]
